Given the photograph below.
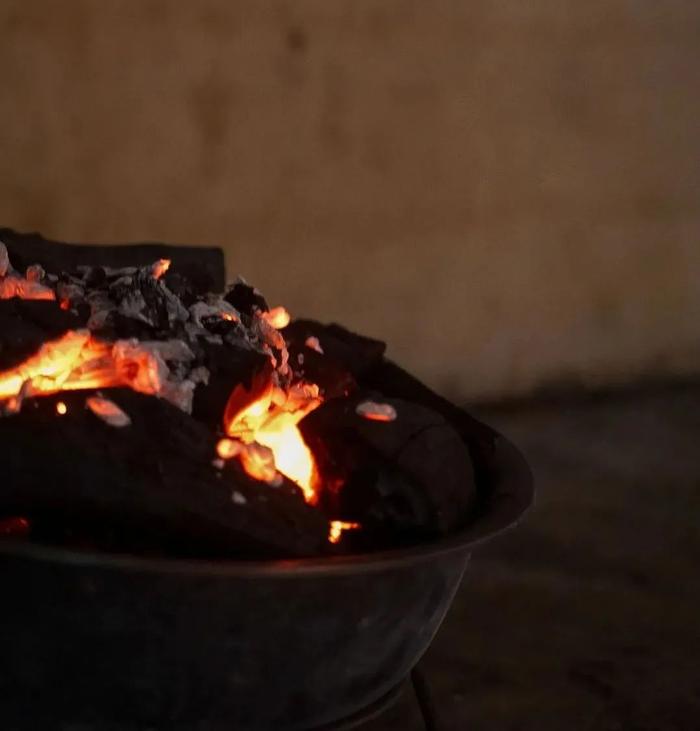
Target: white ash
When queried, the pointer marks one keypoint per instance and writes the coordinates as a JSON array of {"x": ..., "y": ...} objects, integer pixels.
[
  {"x": 35, "y": 273},
  {"x": 218, "y": 463},
  {"x": 238, "y": 498},
  {"x": 134, "y": 306},
  {"x": 142, "y": 366},
  {"x": 69, "y": 292},
  {"x": 214, "y": 306},
  {"x": 200, "y": 375},
  {"x": 4, "y": 260}
]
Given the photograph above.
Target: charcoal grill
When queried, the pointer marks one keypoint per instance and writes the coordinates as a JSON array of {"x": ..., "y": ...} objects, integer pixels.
[{"x": 104, "y": 641}]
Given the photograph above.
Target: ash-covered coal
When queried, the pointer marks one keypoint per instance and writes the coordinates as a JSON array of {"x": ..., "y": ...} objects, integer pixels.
[{"x": 147, "y": 413}]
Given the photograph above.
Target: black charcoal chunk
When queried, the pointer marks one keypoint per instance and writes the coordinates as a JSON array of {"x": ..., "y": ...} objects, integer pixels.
[
  {"x": 245, "y": 299},
  {"x": 25, "y": 325},
  {"x": 393, "y": 381},
  {"x": 411, "y": 476},
  {"x": 232, "y": 370},
  {"x": 355, "y": 354}
]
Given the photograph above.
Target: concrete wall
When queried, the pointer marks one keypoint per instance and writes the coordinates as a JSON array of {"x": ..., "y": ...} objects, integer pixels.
[{"x": 505, "y": 191}]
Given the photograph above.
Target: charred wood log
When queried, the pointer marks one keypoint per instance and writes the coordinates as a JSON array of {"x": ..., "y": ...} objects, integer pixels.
[{"x": 147, "y": 487}]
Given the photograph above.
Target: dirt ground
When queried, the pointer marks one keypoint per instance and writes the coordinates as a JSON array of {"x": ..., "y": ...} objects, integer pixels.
[{"x": 586, "y": 616}]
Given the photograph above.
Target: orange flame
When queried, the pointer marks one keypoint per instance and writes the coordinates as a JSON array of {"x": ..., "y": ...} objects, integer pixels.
[{"x": 266, "y": 422}]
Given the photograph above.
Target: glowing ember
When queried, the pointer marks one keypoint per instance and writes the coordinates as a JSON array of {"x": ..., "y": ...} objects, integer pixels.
[
  {"x": 259, "y": 462},
  {"x": 266, "y": 422},
  {"x": 261, "y": 425},
  {"x": 337, "y": 527},
  {"x": 13, "y": 286},
  {"x": 14, "y": 526},
  {"x": 376, "y": 412},
  {"x": 77, "y": 361},
  {"x": 108, "y": 411},
  {"x": 160, "y": 268},
  {"x": 278, "y": 317},
  {"x": 228, "y": 448},
  {"x": 314, "y": 344},
  {"x": 56, "y": 367}
]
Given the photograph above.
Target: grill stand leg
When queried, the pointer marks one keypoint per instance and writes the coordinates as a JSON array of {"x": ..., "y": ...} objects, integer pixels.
[{"x": 425, "y": 700}]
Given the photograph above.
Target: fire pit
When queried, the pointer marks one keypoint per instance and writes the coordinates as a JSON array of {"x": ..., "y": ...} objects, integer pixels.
[{"x": 158, "y": 574}]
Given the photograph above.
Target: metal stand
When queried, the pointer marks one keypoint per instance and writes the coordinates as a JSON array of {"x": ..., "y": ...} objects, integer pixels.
[{"x": 424, "y": 699}]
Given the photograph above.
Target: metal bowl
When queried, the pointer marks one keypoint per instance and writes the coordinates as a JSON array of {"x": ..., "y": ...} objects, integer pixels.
[{"x": 118, "y": 642}]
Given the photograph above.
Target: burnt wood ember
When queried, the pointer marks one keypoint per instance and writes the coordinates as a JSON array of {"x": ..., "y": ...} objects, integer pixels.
[
  {"x": 149, "y": 487},
  {"x": 204, "y": 265},
  {"x": 408, "y": 476}
]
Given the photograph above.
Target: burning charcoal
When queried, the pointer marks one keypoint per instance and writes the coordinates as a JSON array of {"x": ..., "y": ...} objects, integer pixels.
[
  {"x": 127, "y": 470},
  {"x": 204, "y": 266},
  {"x": 25, "y": 325},
  {"x": 411, "y": 474},
  {"x": 149, "y": 486},
  {"x": 244, "y": 298}
]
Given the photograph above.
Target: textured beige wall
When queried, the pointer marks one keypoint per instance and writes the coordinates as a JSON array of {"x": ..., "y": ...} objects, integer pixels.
[{"x": 506, "y": 191}]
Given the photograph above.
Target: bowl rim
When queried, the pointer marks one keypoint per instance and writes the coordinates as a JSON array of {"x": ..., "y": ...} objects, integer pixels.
[{"x": 511, "y": 495}]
